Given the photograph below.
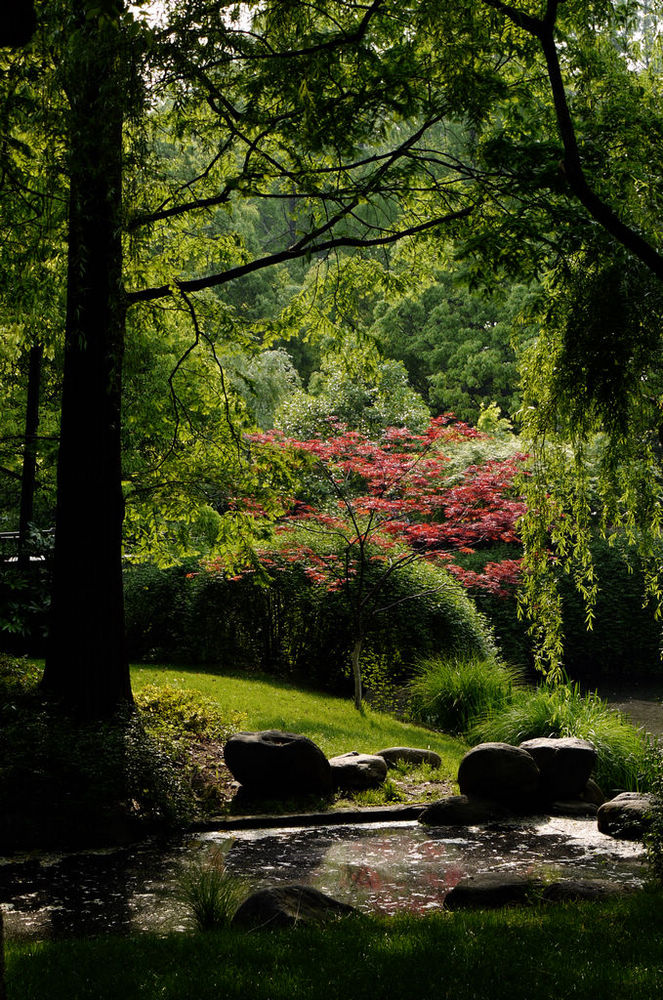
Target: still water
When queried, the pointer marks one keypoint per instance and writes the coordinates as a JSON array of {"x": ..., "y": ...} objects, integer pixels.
[{"x": 377, "y": 868}]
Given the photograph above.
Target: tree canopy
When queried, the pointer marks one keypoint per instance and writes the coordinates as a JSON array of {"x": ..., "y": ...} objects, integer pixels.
[{"x": 198, "y": 147}]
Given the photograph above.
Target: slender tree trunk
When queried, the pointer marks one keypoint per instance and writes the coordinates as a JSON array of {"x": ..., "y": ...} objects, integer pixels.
[
  {"x": 29, "y": 470},
  {"x": 87, "y": 667},
  {"x": 3, "y": 988},
  {"x": 355, "y": 659}
]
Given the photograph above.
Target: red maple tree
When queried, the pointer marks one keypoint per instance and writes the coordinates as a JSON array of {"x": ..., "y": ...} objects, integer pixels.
[{"x": 371, "y": 507}]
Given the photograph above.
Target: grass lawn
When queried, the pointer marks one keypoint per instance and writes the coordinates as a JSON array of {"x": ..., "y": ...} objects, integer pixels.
[
  {"x": 333, "y": 723},
  {"x": 584, "y": 951}
]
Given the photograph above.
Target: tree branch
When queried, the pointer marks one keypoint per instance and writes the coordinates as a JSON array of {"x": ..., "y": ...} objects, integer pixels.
[{"x": 291, "y": 253}]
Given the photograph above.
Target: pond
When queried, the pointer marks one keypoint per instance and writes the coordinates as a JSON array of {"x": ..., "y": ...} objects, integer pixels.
[{"x": 376, "y": 867}]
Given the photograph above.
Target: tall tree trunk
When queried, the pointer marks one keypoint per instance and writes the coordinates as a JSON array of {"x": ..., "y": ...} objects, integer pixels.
[
  {"x": 87, "y": 667},
  {"x": 29, "y": 470}
]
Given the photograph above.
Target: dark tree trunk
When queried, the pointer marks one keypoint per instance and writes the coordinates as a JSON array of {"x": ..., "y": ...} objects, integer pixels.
[
  {"x": 87, "y": 667},
  {"x": 29, "y": 470},
  {"x": 18, "y": 23}
]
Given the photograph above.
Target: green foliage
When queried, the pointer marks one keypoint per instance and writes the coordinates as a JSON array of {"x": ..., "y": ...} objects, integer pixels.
[
  {"x": 455, "y": 343},
  {"x": 363, "y": 392},
  {"x": 454, "y": 693},
  {"x": 209, "y": 894},
  {"x": 654, "y": 839},
  {"x": 181, "y": 714},
  {"x": 562, "y": 710},
  {"x": 291, "y": 627}
]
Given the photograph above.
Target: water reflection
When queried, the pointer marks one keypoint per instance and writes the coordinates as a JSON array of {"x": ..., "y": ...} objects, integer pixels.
[{"x": 375, "y": 867}]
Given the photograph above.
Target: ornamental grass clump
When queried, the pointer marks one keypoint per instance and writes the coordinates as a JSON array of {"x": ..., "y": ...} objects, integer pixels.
[
  {"x": 209, "y": 893},
  {"x": 563, "y": 710},
  {"x": 453, "y": 693}
]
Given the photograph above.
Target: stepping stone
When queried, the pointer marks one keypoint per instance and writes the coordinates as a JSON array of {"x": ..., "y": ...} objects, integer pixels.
[
  {"x": 358, "y": 770},
  {"x": 460, "y": 810},
  {"x": 410, "y": 755}
]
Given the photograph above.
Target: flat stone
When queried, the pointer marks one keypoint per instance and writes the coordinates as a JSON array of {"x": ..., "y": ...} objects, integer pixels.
[
  {"x": 593, "y": 793},
  {"x": 410, "y": 755},
  {"x": 571, "y": 890},
  {"x": 461, "y": 810},
  {"x": 627, "y": 816},
  {"x": 575, "y": 808},
  {"x": 499, "y": 772},
  {"x": 287, "y": 906},
  {"x": 275, "y": 762},
  {"x": 493, "y": 890},
  {"x": 358, "y": 770},
  {"x": 565, "y": 763}
]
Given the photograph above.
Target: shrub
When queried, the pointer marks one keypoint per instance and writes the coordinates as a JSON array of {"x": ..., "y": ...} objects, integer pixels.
[
  {"x": 654, "y": 839},
  {"x": 94, "y": 781},
  {"x": 562, "y": 710},
  {"x": 452, "y": 693},
  {"x": 295, "y": 628}
]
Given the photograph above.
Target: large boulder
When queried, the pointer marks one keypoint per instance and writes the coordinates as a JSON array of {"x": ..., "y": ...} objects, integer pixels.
[
  {"x": 410, "y": 755},
  {"x": 287, "y": 905},
  {"x": 459, "y": 810},
  {"x": 356, "y": 771},
  {"x": 272, "y": 761},
  {"x": 499, "y": 772},
  {"x": 493, "y": 890},
  {"x": 565, "y": 763},
  {"x": 628, "y": 816}
]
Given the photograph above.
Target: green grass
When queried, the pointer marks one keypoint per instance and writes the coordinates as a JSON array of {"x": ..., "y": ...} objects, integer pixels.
[
  {"x": 453, "y": 692},
  {"x": 332, "y": 723},
  {"x": 581, "y": 951}
]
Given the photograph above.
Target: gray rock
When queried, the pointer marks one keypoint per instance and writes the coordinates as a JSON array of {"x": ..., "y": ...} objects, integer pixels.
[
  {"x": 358, "y": 770},
  {"x": 459, "y": 810},
  {"x": 286, "y": 906},
  {"x": 493, "y": 890},
  {"x": 565, "y": 763},
  {"x": 499, "y": 772},
  {"x": 593, "y": 793},
  {"x": 575, "y": 808},
  {"x": 275, "y": 762},
  {"x": 409, "y": 755},
  {"x": 627, "y": 816},
  {"x": 571, "y": 890}
]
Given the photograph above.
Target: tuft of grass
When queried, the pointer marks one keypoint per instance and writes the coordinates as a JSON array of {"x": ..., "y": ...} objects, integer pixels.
[
  {"x": 563, "y": 710},
  {"x": 209, "y": 893},
  {"x": 452, "y": 693}
]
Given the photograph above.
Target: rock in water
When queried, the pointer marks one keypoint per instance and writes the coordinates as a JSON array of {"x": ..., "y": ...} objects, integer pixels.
[
  {"x": 287, "y": 905},
  {"x": 565, "y": 763},
  {"x": 492, "y": 890},
  {"x": 277, "y": 762},
  {"x": 627, "y": 816},
  {"x": 459, "y": 810},
  {"x": 499, "y": 772}
]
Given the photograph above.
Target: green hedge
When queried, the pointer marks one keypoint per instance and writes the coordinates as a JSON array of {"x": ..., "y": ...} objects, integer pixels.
[{"x": 293, "y": 628}]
